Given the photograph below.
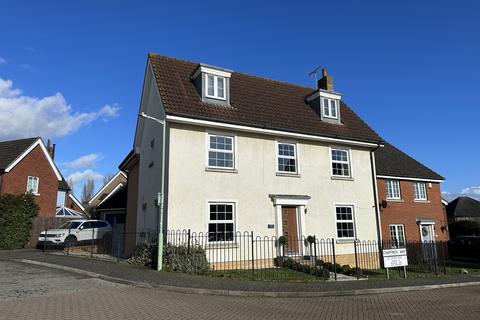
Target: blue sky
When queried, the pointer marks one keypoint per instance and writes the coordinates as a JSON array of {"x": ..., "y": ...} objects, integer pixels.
[{"x": 411, "y": 69}]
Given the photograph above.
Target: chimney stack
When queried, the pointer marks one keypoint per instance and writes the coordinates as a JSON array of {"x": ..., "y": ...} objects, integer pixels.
[
  {"x": 51, "y": 149},
  {"x": 326, "y": 82}
]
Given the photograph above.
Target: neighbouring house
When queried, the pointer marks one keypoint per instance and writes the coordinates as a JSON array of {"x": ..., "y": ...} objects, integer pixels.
[
  {"x": 219, "y": 151},
  {"x": 109, "y": 202},
  {"x": 27, "y": 165},
  {"x": 411, "y": 206},
  {"x": 463, "y": 209}
]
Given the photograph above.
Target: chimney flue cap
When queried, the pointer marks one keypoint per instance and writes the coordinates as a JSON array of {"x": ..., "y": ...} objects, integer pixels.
[{"x": 324, "y": 72}]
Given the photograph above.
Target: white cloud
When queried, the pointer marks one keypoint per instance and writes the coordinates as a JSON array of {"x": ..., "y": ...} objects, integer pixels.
[
  {"x": 51, "y": 116},
  {"x": 3, "y": 60},
  {"x": 78, "y": 179},
  {"x": 472, "y": 192},
  {"x": 87, "y": 161}
]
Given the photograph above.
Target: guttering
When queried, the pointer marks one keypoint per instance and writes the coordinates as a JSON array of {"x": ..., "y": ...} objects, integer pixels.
[
  {"x": 278, "y": 133},
  {"x": 410, "y": 179}
]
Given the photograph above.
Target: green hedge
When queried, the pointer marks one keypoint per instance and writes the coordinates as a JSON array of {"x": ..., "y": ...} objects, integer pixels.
[
  {"x": 16, "y": 213},
  {"x": 464, "y": 228},
  {"x": 289, "y": 263}
]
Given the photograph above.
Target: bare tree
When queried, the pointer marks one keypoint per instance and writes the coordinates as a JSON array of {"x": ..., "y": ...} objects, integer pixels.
[
  {"x": 88, "y": 189},
  {"x": 107, "y": 178},
  {"x": 70, "y": 184}
]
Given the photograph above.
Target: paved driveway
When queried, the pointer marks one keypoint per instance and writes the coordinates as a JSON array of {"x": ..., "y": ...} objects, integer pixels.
[{"x": 37, "y": 293}]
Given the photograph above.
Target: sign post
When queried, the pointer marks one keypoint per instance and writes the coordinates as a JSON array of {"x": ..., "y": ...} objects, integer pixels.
[{"x": 393, "y": 258}]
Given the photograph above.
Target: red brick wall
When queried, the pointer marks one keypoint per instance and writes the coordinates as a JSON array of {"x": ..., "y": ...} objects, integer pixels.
[
  {"x": 34, "y": 164},
  {"x": 72, "y": 205},
  {"x": 407, "y": 210}
]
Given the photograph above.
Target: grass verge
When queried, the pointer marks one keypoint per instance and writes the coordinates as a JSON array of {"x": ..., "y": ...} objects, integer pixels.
[{"x": 270, "y": 274}]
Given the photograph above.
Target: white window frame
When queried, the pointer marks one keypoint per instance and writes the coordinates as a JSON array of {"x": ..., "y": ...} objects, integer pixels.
[
  {"x": 348, "y": 221},
  {"x": 392, "y": 183},
  {"x": 234, "y": 219},
  {"x": 295, "y": 157},
  {"x": 215, "y": 87},
  {"x": 329, "y": 101},
  {"x": 233, "y": 151},
  {"x": 349, "y": 162},
  {"x": 37, "y": 179},
  {"x": 416, "y": 191},
  {"x": 396, "y": 231}
]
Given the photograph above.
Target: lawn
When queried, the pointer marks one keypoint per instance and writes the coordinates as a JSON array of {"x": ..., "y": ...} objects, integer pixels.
[
  {"x": 452, "y": 268},
  {"x": 270, "y": 274}
]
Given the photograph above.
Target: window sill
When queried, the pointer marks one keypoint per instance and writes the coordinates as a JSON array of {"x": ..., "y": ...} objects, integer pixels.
[
  {"x": 421, "y": 201},
  {"x": 34, "y": 194},
  {"x": 345, "y": 241},
  {"x": 222, "y": 246},
  {"x": 207, "y": 169},
  {"x": 342, "y": 178},
  {"x": 286, "y": 174},
  {"x": 395, "y": 200}
]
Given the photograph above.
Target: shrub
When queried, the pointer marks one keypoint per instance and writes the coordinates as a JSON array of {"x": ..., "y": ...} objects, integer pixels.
[
  {"x": 324, "y": 273},
  {"x": 464, "y": 228},
  {"x": 175, "y": 258},
  {"x": 16, "y": 213},
  {"x": 328, "y": 266},
  {"x": 345, "y": 269},
  {"x": 319, "y": 263}
]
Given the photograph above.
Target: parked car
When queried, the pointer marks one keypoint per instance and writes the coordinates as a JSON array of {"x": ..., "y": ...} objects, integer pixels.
[{"x": 76, "y": 232}]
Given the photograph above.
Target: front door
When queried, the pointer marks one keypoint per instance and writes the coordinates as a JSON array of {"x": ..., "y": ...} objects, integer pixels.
[
  {"x": 289, "y": 221},
  {"x": 427, "y": 236}
]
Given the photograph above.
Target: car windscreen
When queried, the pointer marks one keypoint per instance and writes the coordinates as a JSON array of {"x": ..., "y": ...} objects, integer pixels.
[{"x": 70, "y": 225}]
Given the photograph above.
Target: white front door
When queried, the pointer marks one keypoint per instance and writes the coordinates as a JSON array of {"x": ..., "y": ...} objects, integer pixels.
[
  {"x": 427, "y": 233},
  {"x": 427, "y": 236}
]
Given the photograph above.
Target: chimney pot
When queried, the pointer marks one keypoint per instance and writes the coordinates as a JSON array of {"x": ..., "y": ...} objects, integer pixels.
[{"x": 324, "y": 72}]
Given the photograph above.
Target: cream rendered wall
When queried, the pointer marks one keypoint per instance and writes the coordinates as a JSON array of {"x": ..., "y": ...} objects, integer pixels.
[
  {"x": 148, "y": 142},
  {"x": 191, "y": 186}
]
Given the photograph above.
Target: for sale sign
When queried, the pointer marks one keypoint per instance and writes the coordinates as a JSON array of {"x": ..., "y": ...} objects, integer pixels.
[{"x": 393, "y": 258}]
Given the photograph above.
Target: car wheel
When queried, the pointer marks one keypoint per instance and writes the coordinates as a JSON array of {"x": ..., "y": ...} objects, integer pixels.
[{"x": 70, "y": 241}]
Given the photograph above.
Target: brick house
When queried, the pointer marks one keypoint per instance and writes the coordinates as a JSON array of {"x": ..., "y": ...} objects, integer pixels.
[
  {"x": 26, "y": 165},
  {"x": 411, "y": 207}
]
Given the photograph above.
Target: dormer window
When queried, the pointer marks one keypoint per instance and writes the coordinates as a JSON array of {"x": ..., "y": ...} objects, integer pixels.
[
  {"x": 215, "y": 87},
  {"x": 330, "y": 108},
  {"x": 213, "y": 84}
]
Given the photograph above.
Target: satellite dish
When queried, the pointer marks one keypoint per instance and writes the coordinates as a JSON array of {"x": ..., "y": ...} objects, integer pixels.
[{"x": 384, "y": 204}]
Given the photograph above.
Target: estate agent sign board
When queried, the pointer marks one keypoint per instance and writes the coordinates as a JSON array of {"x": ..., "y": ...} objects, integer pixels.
[{"x": 393, "y": 258}]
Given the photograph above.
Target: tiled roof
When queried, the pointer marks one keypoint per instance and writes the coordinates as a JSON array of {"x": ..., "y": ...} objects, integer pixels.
[
  {"x": 390, "y": 161},
  {"x": 11, "y": 150},
  {"x": 255, "y": 101},
  {"x": 463, "y": 207}
]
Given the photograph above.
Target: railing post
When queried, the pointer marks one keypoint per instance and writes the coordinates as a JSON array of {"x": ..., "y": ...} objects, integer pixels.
[
  {"x": 334, "y": 259},
  {"x": 356, "y": 258},
  {"x": 45, "y": 235},
  {"x": 188, "y": 245},
  {"x": 253, "y": 258},
  {"x": 91, "y": 249},
  {"x": 315, "y": 254},
  {"x": 118, "y": 245}
]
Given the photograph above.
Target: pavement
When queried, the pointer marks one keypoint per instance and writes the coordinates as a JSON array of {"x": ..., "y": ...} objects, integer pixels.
[
  {"x": 145, "y": 277},
  {"x": 36, "y": 292}
]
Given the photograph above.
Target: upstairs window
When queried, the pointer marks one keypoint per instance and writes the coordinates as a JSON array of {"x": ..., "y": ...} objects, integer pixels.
[
  {"x": 287, "y": 158},
  {"x": 340, "y": 162},
  {"x": 393, "y": 189},
  {"x": 215, "y": 87},
  {"x": 330, "y": 108},
  {"x": 221, "y": 153},
  {"x": 32, "y": 184},
  {"x": 61, "y": 198},
  {"x": 419, "y": 191}
]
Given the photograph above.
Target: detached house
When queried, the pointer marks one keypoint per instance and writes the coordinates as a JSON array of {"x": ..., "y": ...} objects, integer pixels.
[
  {"x": 224, "y": 151},
  {"x": 411, "y": 207},
  {"x": 26, "y": 165}
]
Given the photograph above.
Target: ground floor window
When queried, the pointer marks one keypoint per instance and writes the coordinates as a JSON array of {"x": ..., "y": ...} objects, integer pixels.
[
  {"x": 345, "y": 222},
  {"x": 397, "y": 235},
  {"x": 221, "y": 222}
]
